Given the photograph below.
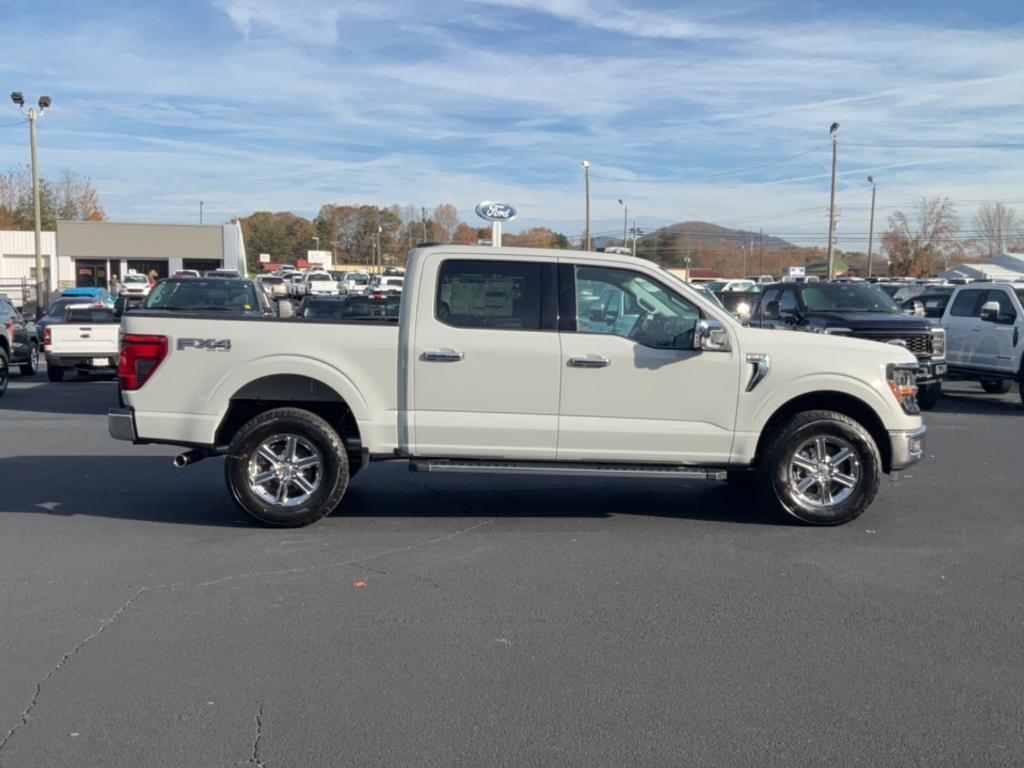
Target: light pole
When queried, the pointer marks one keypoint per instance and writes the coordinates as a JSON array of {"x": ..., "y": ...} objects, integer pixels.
[
  {"x": 586, "y": 178},
  {"x": 871, "y": 226},
  {"x": 44, "y": 104},
  {"x": 833, "y": 131},
  {"x": 200, "y": 211},
  {"x": 317, "y": 238},
  {"x": 625, "y": 223}
]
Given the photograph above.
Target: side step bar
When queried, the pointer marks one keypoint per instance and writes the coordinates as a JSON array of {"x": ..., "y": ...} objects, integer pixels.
[{"x": 556, "y": 468}]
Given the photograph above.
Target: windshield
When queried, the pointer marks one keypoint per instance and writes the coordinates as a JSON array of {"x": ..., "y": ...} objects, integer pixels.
[
  {"x": 218, "y": 295},
  {"x": 847, "y": 297},
  {"x": 1020, "y": 294},
  {"x": 359, "y": 279},
  {"x": 136, "y": 279},
  {"x": 320, "y": 277},
  {"x": 91, "y": 315}
]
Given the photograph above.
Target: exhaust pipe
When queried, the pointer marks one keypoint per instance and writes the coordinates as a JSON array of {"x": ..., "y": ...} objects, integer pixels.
[{"x": 189, "y": 457}]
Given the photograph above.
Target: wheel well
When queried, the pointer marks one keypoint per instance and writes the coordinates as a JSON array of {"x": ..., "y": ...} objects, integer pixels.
[
  {"x": 840, "y": 402},
  {"x": 288, "y": 390},
  {"x": 3, "y": 345}
]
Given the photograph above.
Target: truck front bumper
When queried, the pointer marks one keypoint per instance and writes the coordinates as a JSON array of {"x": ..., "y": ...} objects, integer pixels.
[
  {"x": 929, "y": 372},
  {"x": 907, "y": 447},
  {"x": 121, "y": 424}
]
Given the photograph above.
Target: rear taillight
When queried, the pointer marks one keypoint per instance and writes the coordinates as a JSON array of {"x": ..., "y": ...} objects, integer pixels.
[
  {"x": 140, "y": 357},
  {"x": 47, "y": 337}
]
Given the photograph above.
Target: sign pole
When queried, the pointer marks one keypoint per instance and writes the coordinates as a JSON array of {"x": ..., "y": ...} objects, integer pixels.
[{"x": 496, "y": 234}]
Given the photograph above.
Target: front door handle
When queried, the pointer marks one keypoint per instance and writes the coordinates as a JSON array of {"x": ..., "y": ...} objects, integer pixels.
[
  {"x": 589, "y": 361},
  {"x": 442, "y": 356}
]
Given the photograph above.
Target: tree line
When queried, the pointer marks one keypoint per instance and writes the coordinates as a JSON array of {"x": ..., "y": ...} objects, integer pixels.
[
  {"x": 69, "y": 197},
  {"x": 354, "y": 233}
]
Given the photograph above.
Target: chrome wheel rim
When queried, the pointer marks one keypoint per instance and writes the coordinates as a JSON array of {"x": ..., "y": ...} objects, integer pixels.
[
  {"x": 34, "y": 357},
  {"x": 4, "y": 372},
  {"x": 824, "y": 472},
  {"x": 285, "y": 470}
]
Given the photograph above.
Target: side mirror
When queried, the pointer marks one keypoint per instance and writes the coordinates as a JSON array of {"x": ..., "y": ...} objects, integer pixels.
[
  {"x": 771, "y": 310},
  {"x": 120, "y": 306},
  {"x": 710, "y": 336},
  {"x": 915, "y": 309},
  {"x": 990, "y": 311}
]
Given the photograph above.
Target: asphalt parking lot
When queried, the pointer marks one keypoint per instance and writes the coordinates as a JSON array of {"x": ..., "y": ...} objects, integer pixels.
[{"x": 146, "y": 622}]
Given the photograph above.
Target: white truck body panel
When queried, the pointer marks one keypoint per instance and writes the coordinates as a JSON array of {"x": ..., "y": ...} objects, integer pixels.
[
  {"x": 512, "y": 393},
  {"x": 983, "y": 345},
  {"x": 71, "y": 342}
]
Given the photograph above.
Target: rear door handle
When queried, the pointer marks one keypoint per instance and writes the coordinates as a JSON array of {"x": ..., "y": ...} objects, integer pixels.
[
  {"x": 442, "y": 356},
  {"x": 589, "y": 361}
]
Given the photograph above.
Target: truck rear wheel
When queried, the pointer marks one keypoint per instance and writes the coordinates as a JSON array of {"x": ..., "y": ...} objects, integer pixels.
[
  {"x": 287, "y": 467},
  {"x": 821, "y": 467},
  {"x": 29, "y": 367},
  {"x": 996, "y": 386},
  {"x": 54, "y": 372}
]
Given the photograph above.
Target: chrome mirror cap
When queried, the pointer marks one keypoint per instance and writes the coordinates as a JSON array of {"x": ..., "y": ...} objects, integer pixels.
[{"x": 710, "y": 336}]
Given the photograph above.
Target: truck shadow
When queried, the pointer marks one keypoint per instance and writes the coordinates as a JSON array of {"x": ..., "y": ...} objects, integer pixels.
[
  {"x": 967, "y": 401},
  {"x": 148, "y": 489},
  {"x": 86, "y": 395}
]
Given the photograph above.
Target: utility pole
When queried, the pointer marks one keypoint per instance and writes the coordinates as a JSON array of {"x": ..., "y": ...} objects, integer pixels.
[
  {"x": 634, "y": 237},
  {"x": 625, "y": 224},
  {"x": 834, "y": 133},
  {"x": 200, "y": 211},
  {"x": 750, "y": 253},
  {"x": 424, "y": 223},
  {"x": 586, "y": 231},
  {"x": 44, "y": 104},
  {"x": 761, "y": 271},
  {"x": 871, "y": 226}
]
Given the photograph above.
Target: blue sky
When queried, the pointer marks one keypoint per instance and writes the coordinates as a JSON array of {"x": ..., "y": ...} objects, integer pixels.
[{"x": 710, "y": 110}]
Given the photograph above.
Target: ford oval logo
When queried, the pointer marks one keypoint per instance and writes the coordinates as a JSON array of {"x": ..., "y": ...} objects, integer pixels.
[{"x": 495, "y": 211}]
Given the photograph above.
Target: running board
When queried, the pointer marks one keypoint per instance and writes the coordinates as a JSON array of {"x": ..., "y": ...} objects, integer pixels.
[{"x": 492, "y": 467}]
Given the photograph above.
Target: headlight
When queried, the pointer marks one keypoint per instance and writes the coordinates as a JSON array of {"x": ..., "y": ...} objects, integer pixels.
[
  {"x": 938, "y": 344},
  {"x": 902, "y": 380}
]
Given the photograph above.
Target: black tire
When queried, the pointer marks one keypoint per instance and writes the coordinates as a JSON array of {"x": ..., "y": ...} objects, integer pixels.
[
  {"x": 331, "y": 476},
  {"x": 54, "y": 372},
  {"x": 777, "y": 473},
  {"x": 5, "y": 371},
  {"x": 928, "y": 395},
  {"x": 996, "y": 386},
  {"x": 30, "y": 367}
]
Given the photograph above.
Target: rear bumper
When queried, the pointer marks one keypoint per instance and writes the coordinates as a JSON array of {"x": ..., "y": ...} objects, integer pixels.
[
  {"x": 121, "y": 424},
  {"x": 907, "y": 447}
]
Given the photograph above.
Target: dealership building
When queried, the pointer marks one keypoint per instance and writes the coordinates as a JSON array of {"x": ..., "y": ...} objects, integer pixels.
[
  {"x": 101, "y": 250},
  {"x": 91, "y": 253}
]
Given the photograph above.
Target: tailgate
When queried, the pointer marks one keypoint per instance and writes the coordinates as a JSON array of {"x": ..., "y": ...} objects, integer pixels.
[{"x": 98, "y": 339}]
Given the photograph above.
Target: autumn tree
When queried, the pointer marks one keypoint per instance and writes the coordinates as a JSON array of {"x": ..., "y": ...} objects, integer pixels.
[
  {"x": 446, "y": 216},
  {"x": 465, "y": 234},
  {"x": 996, "y": 229},
  {"x": 72, "y": 197},
  {"x": 285, "y": 236},
  {"x": 924, "y": 242}
]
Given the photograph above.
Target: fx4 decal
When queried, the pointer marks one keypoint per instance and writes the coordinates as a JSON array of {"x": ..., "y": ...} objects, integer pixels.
[{"x": 210, "y": 345}]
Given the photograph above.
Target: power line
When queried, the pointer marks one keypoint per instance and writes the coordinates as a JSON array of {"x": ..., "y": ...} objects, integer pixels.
[{"x": 16, "y": 122}]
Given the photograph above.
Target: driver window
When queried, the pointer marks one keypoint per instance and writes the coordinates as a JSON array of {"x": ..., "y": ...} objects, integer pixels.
[
  {"x": 788, "y": 303},
  {"x": 623, "y": 303}
]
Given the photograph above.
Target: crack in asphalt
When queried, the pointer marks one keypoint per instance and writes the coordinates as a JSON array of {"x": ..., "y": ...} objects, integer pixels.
[
  {"x": 255, "y": 760},
  {"x": 63, "y": 661}
]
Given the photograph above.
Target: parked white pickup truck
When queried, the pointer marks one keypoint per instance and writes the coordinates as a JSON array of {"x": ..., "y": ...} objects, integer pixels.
[
  {"x": 984, "y": 325},
  {"x": 504, "y": 361},
  {"x": 86, "y": 341}
]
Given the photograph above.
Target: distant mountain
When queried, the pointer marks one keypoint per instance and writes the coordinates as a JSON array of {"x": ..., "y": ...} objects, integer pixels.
[{"x": 704, "y": 232}]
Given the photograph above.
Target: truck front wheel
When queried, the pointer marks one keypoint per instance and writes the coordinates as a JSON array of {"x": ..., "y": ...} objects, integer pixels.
[
  {"x": 996, "y": 386},
  {"x": 287, "y": 467},
  {"x": 821, "y": 467},
  {"x": 928, "y": 395},
  {"x": 54, "y": 372}
]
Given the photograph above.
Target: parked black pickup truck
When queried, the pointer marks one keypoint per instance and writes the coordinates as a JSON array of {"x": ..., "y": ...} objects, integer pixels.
[{"x": 860, "y": 310}]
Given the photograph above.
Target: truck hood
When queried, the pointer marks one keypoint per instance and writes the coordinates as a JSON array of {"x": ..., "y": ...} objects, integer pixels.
[
  {"x": 870, "y": 322},
  {"x": 823, "y": 352}
]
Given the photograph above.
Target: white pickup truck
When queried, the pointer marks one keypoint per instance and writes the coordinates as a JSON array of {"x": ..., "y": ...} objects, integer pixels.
[
  {"x": 984, "y": 325},
  {"x": 86, "y": 341},
  {"x": 503, "y": 360}
]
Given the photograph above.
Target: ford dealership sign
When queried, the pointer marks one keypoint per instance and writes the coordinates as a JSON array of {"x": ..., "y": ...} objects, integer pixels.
[{"x": 495, "y": 211}]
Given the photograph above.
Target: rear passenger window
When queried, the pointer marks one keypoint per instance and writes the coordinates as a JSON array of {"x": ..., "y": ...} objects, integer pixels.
[
  {"x": 966, "y": 304},
  {"x": 504, "y": 295}
]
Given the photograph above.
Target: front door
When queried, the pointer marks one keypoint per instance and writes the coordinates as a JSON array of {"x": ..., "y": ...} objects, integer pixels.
[
  {"x": 963, "y": 326},
  {"x": 633, "y": 389},
  {"x": 998, "y": 339},
  {"x": 485, "y": 360}
]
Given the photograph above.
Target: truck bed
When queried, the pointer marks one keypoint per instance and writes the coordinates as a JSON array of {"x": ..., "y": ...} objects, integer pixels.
[{"x": 187, "y": 396}]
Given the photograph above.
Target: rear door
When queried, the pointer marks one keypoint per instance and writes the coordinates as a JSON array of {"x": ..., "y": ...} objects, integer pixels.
[{"x": 485, "y": 359}]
